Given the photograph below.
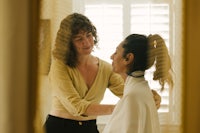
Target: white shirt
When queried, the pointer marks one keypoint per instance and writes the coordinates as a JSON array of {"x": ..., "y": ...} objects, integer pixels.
[{"x": 136, "y": 111}]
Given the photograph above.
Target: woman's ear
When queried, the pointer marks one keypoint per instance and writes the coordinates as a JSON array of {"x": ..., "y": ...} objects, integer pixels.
[{"x": 129, "y": 58}]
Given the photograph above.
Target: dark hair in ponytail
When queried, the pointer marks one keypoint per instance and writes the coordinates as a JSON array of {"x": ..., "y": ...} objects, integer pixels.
[{"x": 149, "y": 51}]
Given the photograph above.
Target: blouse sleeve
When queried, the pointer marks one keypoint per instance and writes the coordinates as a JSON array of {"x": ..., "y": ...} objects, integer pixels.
[
  {"x": 64, "y": 90},
  {"x": 116, "y": 84}
]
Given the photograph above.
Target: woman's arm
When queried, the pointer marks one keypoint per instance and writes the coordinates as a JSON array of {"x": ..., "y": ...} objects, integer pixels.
[
  {"x": 102, "y": 109},
  {"x": 99, "y": 109}
]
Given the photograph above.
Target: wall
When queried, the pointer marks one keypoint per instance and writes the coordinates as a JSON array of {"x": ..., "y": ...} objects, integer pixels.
[
  {"x": 54, "y": 11},
  {"x": 191, "y": 72}
]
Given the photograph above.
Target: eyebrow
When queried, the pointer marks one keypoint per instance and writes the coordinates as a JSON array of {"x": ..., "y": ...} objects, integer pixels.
[
  {"x": 81, "y": 33},
  {"x": 77, "y": 35}
]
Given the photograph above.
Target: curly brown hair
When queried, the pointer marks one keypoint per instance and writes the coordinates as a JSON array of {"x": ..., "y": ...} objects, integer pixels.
[{"x": 69, "y": 27}]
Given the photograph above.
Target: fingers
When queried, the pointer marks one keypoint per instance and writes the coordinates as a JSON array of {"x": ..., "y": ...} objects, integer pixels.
[
  {"x": 157, "y": 98},
  {"x": 157, "y": 104}
]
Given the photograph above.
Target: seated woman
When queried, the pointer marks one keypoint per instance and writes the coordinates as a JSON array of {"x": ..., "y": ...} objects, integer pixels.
[{"x": 136, "y": 111}]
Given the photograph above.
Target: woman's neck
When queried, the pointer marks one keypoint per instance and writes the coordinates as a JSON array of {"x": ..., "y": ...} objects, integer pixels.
[
  {"x": 89, "y": 60},
  {"x": 84, "y": 60}
]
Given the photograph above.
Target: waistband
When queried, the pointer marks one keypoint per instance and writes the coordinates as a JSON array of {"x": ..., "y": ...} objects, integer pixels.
[
  {"x": 79, "y": 122},
  {"x": 66, "y": 115}
]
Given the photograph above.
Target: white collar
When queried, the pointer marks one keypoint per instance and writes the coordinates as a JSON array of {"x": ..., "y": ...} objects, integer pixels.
[{"x": 137, "y": 74}]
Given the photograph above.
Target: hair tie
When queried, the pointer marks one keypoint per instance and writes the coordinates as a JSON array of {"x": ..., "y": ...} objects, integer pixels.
[{"x": 152, "y": 40}]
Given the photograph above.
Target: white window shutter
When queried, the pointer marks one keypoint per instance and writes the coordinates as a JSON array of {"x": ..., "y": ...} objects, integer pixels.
[
  {"x": 152, "y": 19},
  {"x": 108, "y": 21}
]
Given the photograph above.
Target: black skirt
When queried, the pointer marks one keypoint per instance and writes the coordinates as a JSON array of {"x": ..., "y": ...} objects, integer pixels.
[{"x": 55, "y": 124}]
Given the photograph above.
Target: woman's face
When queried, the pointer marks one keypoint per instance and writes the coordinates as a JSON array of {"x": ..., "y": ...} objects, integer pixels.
[
  {"x": 119, "y": 62},
  {"x": 83, "y": 42}
]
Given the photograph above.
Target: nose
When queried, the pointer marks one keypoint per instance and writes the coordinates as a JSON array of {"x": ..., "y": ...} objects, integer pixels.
[
  {"x": 111, "y": 57},
  {"x": 85, "y": 40}
]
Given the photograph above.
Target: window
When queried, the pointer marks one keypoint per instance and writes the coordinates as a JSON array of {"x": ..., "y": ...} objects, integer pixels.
[
  {"x": 108, "y": 20},
  {"x": 116, "y": 19}
]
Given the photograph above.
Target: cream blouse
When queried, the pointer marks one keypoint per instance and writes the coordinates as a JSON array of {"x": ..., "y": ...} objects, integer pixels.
[
  {"x": 136, "y": 111},
  {"x": 70, "y": 94}
]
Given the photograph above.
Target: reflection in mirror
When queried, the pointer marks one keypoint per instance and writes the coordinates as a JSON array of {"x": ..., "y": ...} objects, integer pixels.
[{"x": 114, "y": 20}]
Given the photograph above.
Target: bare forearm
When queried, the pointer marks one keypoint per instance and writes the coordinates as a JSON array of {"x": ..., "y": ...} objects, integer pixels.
[{"x": 99, "y": 109}]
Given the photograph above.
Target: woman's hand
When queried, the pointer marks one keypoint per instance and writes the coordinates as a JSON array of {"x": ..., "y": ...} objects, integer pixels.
[{"x": 157, "y": 98}]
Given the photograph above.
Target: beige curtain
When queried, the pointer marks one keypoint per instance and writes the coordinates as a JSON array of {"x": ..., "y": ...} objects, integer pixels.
[{"x": 191, "y": 71}]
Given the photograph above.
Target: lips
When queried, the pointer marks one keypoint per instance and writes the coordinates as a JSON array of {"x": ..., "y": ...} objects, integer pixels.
[{"x": 87, "y": 48}]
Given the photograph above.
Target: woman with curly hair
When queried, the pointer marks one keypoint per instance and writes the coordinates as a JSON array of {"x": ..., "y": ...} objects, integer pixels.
[{"x": 79, "y": 80}]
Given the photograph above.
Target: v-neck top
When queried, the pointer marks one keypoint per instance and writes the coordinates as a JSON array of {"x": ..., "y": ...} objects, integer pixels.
[{"x": 70, "y": 93}]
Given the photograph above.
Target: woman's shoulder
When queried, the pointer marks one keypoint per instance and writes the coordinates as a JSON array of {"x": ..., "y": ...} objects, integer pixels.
[
  {"x": 58, "y": 64},
  {"x": 137, "y": 87},
  {"x": 105, "y": 66}
]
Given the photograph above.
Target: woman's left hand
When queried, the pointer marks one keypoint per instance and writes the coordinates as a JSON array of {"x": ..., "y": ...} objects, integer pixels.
[{"x": 157, "y": 98}]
